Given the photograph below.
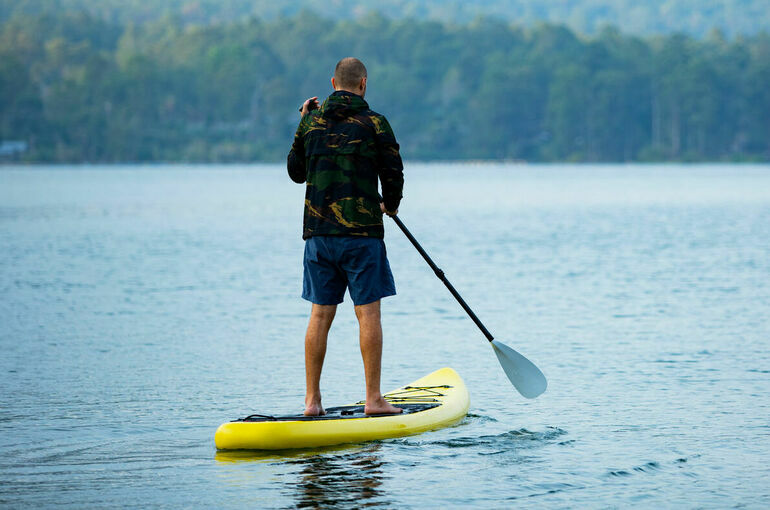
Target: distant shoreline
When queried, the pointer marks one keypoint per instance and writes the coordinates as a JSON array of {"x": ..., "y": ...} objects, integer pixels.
[{"x": 407, "y": 163}]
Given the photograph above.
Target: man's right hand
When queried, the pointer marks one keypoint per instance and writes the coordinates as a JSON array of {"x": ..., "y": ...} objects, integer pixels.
[{"x": 309, "y": 105}]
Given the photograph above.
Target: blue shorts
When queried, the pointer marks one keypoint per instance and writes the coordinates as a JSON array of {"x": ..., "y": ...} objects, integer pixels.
[{"x": 334, "y": 263}]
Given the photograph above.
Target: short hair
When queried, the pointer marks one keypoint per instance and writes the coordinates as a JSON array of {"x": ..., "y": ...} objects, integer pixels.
[{"x": 349, "y": 72}]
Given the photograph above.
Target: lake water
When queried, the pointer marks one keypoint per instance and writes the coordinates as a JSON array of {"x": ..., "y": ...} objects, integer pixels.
[{"x": 140, "y": 307}]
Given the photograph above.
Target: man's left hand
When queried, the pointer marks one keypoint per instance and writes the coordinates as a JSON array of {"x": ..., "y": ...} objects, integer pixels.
[{"x": 385, "y": 211}]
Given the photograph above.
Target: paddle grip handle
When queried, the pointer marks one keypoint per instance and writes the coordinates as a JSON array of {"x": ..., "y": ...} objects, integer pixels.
[{"x": 443, "y": 278}]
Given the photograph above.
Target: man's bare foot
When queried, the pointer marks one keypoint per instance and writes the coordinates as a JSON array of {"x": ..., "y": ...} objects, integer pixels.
[
  {"x": 381, "y": 406},
  {"x": 314, "y": 410}
]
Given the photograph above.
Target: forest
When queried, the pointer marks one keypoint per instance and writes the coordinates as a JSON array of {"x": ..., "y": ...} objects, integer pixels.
[
  {"x": 694, "y": 17},
  {"x": 76, "y": 86}
]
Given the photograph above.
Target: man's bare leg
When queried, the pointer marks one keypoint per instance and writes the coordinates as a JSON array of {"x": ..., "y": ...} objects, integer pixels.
[
  {"x": 370, "y": 329},
  {"x": 321, "y": 317}
]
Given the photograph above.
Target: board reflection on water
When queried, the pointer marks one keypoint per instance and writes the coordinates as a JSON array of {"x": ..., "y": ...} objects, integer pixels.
[
  {"x": 343, "y": 479},
  {"x": 344, "y": 476}
]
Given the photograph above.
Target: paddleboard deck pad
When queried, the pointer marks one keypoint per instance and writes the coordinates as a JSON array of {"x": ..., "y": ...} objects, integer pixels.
[{"x": 438, "y": 400}]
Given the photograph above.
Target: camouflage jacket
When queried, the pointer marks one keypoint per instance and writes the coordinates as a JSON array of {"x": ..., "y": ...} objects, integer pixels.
[{"x": 341, "y": 150}]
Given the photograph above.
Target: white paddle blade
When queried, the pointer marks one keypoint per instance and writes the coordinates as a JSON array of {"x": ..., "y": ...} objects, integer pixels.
[{"x": 524, "y": 375}]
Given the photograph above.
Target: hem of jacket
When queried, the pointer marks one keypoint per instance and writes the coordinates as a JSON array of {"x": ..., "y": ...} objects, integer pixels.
[{"x": 376, "y": 235}]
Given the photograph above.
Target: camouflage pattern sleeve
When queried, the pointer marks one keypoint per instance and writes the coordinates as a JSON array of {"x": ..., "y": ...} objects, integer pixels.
[
  {"x": 391, "y": 169},
  {"x": 295, "y": 162}
]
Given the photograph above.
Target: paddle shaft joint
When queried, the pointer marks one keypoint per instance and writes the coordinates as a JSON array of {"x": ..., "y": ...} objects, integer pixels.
[{"x": 441, "y": 276}]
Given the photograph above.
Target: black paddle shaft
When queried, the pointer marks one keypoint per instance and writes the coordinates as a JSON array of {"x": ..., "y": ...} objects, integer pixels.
[{"x": 443, "y": 278}]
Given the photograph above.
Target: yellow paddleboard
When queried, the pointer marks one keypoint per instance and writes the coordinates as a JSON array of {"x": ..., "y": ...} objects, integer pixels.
[{"x": 437, "y": 400}]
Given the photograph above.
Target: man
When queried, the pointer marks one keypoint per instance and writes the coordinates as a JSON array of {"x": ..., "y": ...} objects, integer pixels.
[{"x": 341, "y": 150}]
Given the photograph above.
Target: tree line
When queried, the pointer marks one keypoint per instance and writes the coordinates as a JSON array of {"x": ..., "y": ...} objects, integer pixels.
[
  {"x": 695, "y": 17},
  {"x": 76, "y": 88}
]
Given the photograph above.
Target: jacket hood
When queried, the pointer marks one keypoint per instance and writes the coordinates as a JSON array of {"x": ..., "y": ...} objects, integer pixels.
[{"x": 341, "y": 105}]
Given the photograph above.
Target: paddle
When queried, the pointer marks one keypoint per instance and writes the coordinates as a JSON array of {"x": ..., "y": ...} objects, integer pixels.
[{"x": 524, "y": 375}]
